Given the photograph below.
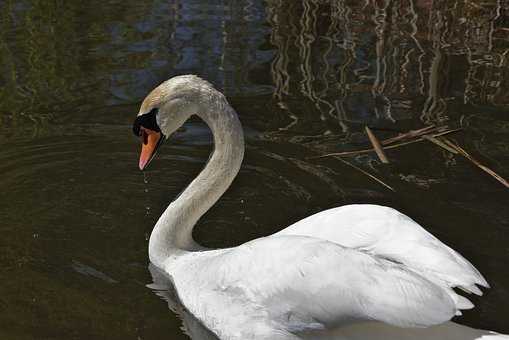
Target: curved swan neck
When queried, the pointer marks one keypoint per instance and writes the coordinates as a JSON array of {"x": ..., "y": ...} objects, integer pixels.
[{"x": 172, "y": 234}]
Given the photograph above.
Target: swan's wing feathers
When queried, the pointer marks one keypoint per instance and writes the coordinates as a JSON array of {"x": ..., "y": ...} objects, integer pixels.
[
  {"x": 304, "y": 283},
  {"x": 387, "y": 233}
]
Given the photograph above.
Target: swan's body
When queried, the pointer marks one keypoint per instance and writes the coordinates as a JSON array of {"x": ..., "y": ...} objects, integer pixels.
[{"x": 354, "y": 272}]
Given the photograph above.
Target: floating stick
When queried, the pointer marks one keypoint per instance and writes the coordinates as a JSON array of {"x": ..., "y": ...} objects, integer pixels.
[
  {"x": 367, "y": 174},
  {"x": 393, "y": 146},
  {"x": 441, "y": 144},
  {"x": 376, "y": 145},
  {"x": 484, "y": 168}
]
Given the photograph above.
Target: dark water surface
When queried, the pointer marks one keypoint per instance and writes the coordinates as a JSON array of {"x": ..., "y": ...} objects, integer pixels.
[{"x": 305, "y": 77}]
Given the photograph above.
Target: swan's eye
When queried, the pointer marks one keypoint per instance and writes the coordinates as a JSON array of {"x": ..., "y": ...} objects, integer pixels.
[
  {"x": 147, "y": 120},
  {"x": 137, "y": 128}
]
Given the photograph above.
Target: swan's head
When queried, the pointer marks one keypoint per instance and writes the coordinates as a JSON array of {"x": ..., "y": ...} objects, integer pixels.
[{"x": 165, "y": 109}]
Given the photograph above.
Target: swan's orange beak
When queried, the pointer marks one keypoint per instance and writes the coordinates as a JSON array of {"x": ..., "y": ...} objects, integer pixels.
[{"x": 150, "y": 142}]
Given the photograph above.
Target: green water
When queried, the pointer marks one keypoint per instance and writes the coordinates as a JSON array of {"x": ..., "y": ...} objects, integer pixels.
[{"x": 305, "y": 77}]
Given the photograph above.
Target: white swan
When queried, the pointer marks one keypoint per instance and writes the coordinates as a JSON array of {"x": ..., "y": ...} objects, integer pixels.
[{"x": 353, "y": 272}]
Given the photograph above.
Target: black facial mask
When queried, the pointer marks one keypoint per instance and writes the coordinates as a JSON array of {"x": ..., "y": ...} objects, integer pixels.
[{"x": 147, "y": 120}]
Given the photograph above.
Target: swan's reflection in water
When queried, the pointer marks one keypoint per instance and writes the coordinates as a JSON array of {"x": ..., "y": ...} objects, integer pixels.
[{"x": 163, "y": 287}]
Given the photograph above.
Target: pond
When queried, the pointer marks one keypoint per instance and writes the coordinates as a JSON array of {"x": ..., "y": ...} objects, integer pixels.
[{"x": 305, "y": 77}]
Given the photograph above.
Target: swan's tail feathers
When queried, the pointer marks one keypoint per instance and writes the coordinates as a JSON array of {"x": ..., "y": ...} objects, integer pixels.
[
  {"x": 470, "y": 274},
  {"x": 443, "y": 266},
  {"x": 467, "y": 279},
  {"x": 452, "y": 269},
  {"x": 473, "y": 289},
  {"x": 462, "y": 303}
]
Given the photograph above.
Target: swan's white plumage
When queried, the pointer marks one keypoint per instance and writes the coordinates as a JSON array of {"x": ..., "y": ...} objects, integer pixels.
[
  {"x": 385, "y": 232},
  {"x": 344, "y": 273},
  {"x": 302, "y": 283}
]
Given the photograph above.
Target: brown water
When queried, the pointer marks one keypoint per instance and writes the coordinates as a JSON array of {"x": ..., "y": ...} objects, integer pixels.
[{"x": 305, "y": 77}]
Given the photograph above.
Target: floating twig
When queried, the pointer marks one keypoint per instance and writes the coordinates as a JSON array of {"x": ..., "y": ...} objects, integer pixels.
[
  {"x": 446, "y": 132},
  {"x": 367, "y": 174},
  {"x": 441, "y": 144},
  {"x": 393, "y": 146},
  {"x": 465, "y": 154},
  {"x": 409, "y": 134},
  {"x": 376, "y": 145}
]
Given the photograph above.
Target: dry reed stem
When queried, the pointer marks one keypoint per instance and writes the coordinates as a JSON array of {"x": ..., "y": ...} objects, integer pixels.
[
  {"x": 409, "y": 134},
  {"x": 367, "y": 174},
  {"x": 441, "y": 144},
  {"x": 376, "y": 145},
  {"x": 484, "y": 168},
  {"x": 393, "y": 146}
]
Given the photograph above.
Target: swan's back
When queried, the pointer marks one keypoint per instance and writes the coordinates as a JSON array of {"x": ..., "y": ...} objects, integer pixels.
[
  {"x": 387, "y": 233},
  {"x": 284, "y": 285}
]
